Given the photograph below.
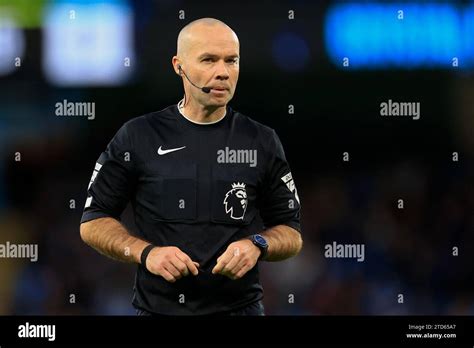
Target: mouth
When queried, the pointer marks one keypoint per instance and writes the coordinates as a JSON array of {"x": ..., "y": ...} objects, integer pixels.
[{"x": 219, "y": 90}]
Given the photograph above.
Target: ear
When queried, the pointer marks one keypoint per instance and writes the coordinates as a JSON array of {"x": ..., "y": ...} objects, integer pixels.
[{"x": 176, "y": 64}]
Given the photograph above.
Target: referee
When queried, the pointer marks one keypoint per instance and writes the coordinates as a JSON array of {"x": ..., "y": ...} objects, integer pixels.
[{"x": 198, "y": 175}]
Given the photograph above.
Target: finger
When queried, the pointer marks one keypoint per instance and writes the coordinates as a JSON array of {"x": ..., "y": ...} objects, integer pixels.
[
  {"x": 198, "y": 267},
  {"x": 242, "y": 262},
  {"x": 242, "y": 271},
  {"x": 180, "y": 266},
  {"x": 168, "y": 276},
  {"x": 225, "y": 254},
  {"x": 188, "y": 262},
  {"x": 173, "y": 270},
  {"x": 222, "y": 261},
  {"x": 233, "y": 262}
]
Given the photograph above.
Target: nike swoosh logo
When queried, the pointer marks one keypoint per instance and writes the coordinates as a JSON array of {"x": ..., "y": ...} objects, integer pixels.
[{"x": 164, "y": 152}]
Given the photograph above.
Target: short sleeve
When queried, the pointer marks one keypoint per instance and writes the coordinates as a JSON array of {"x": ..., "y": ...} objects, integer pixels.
[
  {"x": 280, "y": 204},
  {"x": 112, "y": 180}
]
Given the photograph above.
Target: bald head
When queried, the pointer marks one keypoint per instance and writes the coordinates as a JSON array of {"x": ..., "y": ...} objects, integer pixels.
[{"x": 200, "y": 32}]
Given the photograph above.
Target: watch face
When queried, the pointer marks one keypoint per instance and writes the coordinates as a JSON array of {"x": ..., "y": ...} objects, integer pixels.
[{"x": 260, "y": 240}]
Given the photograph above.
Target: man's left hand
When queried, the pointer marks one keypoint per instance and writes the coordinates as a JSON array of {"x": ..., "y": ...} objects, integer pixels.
[{"x": 239, "y": 258}]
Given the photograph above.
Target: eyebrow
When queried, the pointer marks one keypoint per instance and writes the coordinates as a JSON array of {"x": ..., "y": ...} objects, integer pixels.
[{"x": 206, "y": 54}]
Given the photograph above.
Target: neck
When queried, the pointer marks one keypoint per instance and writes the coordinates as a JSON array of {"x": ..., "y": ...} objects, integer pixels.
[{"x": 203, "y": 114}]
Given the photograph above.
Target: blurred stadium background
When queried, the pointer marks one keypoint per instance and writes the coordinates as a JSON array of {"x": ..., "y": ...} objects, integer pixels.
[{"x": 117, "y": 54}]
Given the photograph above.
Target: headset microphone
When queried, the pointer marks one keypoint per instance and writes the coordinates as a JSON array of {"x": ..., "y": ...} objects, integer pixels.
[{"x": 204, "y": 89}]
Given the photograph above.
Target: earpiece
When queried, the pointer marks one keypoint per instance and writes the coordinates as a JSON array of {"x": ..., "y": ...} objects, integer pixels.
[{"x": 204, "y": 89}]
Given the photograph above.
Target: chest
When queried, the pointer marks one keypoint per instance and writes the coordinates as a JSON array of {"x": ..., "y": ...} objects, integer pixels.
[{"x": 202, "y": 178}]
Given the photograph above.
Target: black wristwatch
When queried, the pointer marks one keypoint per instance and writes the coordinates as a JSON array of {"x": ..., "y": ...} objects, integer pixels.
[{"x": 261, "y": 243}]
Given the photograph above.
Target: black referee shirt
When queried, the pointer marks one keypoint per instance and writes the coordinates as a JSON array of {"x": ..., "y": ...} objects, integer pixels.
[{"x": 198, "y": 187}]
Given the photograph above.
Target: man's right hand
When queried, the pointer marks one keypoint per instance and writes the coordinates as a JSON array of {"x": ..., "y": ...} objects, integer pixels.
[{"x": 170, "y": 263}]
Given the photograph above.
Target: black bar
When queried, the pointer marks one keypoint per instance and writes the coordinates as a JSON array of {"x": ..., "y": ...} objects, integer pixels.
[{"x": 288, "y": 330}]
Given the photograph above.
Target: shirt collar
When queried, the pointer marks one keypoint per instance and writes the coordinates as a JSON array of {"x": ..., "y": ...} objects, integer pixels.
[{"x": 180, "y": 106}]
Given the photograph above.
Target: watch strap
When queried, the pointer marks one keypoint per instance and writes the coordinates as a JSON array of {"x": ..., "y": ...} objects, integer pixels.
[{"x": 145, "y": 253}]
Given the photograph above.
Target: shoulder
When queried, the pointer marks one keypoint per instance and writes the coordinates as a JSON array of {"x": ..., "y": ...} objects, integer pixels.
[
  {"x": 257, "y": 129},
  {"x": 140, "y": 124}
]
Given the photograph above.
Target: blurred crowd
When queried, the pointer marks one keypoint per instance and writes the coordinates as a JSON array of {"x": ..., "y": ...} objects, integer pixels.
[{"x": 408, "y": 251}]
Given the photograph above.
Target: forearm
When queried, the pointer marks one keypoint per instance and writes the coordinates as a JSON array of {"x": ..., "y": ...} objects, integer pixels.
[
  {"x": 283, "y": 242},
  {"x": 110, "y": 238}
]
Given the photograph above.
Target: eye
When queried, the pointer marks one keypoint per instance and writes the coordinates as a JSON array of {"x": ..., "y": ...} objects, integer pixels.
[{"x": 207, "y": 60}]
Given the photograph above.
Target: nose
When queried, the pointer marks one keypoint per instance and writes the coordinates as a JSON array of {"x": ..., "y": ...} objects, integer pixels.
[{"x": 221, "y": 71}]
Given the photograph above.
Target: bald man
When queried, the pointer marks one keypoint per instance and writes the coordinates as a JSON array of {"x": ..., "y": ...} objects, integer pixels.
[{"x": 211, "y": 190}]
